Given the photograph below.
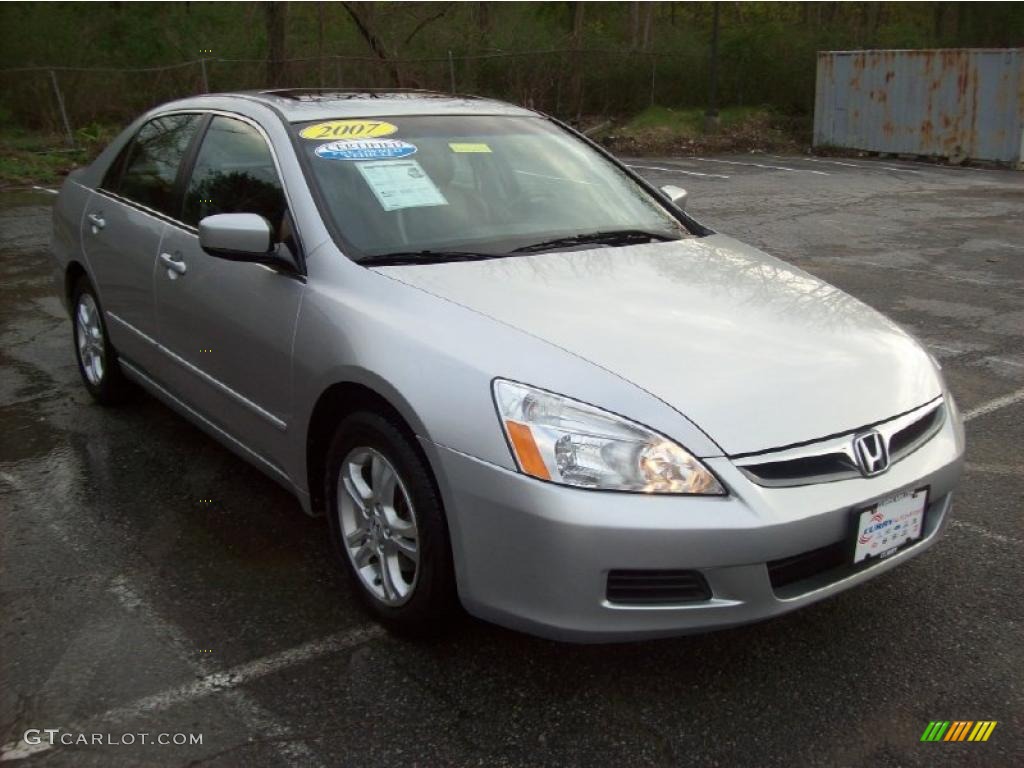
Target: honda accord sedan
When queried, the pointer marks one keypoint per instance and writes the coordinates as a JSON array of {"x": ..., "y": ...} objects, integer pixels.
[{"x": 512, "y": 374}]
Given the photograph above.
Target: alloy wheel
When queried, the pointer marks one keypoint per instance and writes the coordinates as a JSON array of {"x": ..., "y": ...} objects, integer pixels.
[
  {"x": 89, "y": 338},
  {"x": 378, "y": 525}
]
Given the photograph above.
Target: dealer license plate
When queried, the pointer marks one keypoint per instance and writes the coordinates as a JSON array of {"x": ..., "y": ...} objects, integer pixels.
[{"x": 883, "y": 528}]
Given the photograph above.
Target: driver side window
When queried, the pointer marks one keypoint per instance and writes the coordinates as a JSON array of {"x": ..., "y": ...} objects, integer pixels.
[{"x": 234, "y": 173}]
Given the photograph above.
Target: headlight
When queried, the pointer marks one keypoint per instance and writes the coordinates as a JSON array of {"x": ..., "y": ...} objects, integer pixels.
[{"x": 565, "y": 441}]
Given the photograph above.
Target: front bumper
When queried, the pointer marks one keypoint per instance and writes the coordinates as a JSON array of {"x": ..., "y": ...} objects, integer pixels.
[{"x": 535, "y": 556}]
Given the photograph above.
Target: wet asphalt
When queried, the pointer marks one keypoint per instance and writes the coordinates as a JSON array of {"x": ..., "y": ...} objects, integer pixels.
[{"x": 151, "y": 582}]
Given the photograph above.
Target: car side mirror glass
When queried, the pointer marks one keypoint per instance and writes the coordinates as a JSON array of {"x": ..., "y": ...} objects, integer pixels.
[
  {"x": 677, "y": 195},
  {"x": 236, "y": 236}
]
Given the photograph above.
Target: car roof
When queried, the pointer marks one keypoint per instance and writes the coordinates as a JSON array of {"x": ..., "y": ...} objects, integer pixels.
[{"x": 301, "y": 104}]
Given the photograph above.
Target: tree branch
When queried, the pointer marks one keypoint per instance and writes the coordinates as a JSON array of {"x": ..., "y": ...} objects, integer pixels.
[
  {"x": 424, "y": 23},
  {"x": 375, "y": 43}
]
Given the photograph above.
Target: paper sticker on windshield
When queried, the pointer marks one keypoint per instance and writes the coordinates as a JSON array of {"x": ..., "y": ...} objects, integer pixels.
[
  {"x": 347, "y": 129},
  {"x": 464, "y": 147},
  {"x": 401, "y": 184},
  {"x": 365, "y": 150}
]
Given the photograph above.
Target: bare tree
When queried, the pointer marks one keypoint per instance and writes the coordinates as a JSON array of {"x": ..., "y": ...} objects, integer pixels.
[
  {"x": 320, "y": 40},
  {"x": 577, "y": 67},
  {"x": 480, "y": 37},
  {"x": 275, "y": 15},
  {"x": 388, "y": 27},
  {"x": 364, "y": 25},
  {"x": 648, "y": 17}
]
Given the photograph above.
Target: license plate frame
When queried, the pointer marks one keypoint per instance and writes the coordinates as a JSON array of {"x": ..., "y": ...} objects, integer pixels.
[{"x": 880, "y": 530}]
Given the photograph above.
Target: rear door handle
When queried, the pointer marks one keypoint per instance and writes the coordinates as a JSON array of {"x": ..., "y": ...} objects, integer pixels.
[
  {"x": 173, "y": 263},
  {"x": 97, "y": 221}
]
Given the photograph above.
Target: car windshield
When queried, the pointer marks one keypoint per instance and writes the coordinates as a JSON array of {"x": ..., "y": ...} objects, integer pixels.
[{"x": 431, "y": 188}]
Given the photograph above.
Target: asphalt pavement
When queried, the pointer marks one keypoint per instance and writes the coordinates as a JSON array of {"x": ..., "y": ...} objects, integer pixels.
[{"x": 152, "y": 583}]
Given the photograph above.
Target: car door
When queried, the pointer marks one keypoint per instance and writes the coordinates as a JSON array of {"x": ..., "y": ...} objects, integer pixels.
[
  {"x": 124, "y": 222},
  {"x": 227, "y": 326}
]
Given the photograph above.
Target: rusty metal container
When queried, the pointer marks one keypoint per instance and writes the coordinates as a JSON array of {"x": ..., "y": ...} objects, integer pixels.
[{"x": 959, "y": 103}]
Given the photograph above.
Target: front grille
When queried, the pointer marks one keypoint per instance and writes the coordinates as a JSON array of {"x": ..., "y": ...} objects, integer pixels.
[
  {"x": 912, "y": 436},
  {"x": 657, "y": 587},
  {"x": 829, "y": 460},
  {"x": 803, "y": 471}
]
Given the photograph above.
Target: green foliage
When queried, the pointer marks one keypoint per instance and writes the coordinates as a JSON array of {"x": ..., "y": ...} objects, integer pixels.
[
  {"x": 635, "y": 54},
  {"x": 33, "y": 157},
  {"x": 688, "y": 122},
  {"x": 94, "y": 136},
  {"x": 667, "y": 130}
]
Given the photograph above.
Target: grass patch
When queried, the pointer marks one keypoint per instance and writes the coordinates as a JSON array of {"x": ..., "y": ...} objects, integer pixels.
[
  {"x": 687, "y": 123},
  {"x": 665, "y": 130},
  {"x": 35, "y": 157}
]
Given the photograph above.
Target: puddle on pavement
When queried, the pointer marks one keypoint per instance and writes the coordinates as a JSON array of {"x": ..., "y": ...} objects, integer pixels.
[{"x": 27, "y": 435}]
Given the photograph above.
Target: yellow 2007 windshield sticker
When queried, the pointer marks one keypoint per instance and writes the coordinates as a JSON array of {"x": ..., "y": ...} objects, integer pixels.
[
  {"x": 347, "y": 129},
  {"x": 467, "y": 147}
]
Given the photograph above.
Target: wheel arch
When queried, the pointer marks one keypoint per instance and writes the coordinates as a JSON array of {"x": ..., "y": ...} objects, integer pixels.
[
  {"x": 337, "y": 401},
  {"x": 73, "y": 272}
]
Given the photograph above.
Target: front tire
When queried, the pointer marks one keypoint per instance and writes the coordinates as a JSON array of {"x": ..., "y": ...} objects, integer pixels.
[
  {"x": 97, "y": 359},
  {"x": 388, "y": 526}
]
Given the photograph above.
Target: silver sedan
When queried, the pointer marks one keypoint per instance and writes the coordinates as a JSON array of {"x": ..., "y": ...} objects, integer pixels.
[{"x": 510, "y": 373}]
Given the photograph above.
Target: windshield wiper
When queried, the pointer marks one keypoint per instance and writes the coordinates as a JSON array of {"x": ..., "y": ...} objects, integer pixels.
[
  {"x": 426, "y": 256},
  {"x": 613, "y": 238}
]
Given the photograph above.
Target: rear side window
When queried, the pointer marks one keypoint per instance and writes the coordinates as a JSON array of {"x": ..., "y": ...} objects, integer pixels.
[
  {"x": 146, "y": 171},
  {"x": 234, "y": 173}
]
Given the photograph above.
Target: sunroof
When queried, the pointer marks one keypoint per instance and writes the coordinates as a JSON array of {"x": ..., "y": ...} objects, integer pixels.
[{"x": 339, "y": 94}]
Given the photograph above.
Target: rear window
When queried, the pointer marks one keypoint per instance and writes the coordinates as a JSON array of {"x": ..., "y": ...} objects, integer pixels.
[{"x": 146, "y": 170}]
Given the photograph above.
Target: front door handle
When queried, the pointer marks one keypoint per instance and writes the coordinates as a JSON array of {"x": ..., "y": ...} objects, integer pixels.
[
  {"x": 97, "y": 221},
  {"x": 174, "y": 263}
]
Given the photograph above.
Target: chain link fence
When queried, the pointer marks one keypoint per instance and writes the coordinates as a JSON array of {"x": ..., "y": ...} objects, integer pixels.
[{"x": 566, "y": 82}]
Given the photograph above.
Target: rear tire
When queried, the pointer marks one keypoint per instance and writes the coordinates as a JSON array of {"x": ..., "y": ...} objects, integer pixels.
[
  {"x": 97, "y": 359},
  {"x": 387, "y": 525}
]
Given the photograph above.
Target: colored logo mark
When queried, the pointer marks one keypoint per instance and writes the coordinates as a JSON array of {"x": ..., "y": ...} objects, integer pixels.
[{"x": 958, "y": 730}]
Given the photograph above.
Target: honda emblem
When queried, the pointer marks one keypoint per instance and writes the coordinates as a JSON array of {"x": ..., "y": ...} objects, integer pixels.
[{"x": 871, "y": 452}]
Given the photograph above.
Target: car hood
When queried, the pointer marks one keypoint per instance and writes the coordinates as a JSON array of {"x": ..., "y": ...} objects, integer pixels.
[{"x": 756, "y": 352}]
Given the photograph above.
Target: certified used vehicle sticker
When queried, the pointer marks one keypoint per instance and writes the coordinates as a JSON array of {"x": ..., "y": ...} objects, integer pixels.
[
  {"x": 381, "y": 149},
  {"x": 347, "y": 129}
]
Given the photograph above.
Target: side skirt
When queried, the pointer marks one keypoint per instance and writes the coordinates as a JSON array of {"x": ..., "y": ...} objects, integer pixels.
[{"x": 224, "y": 438}]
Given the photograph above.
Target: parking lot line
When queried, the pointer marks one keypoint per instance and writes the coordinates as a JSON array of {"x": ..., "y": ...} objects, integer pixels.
[
  {"x": 257, "y": 719},
  {"x": 866, "y": 166},
  {"x": 678, "y": 170},
  {"x": 995, "y": 469},
  {"x": 995, "y": 405},
  {"x": 985, "y": 532},
  {"x": 245, "y": 673},
  {"x": 943, "y": 274},
  {"x": 761, "y": 165},
  {"x": 225, "y": 681},
  {"x": 1004, "y": 361}
]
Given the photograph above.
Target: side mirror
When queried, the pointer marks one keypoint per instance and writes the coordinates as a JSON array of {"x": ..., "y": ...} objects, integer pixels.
[
  {"x": 244, "y": 237},
  {"x": 236, "y": 236},
  {"x": 677, "y": 195}
]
